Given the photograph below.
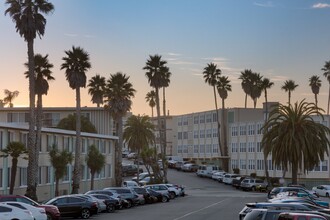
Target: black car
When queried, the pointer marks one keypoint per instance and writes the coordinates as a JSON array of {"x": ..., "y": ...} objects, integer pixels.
[
  {"x": 110, "y": 202},
  {"x": 74, "y": 206},
  {"x": 130, "y": 170},
  {"x": 126, "y": 193},
  {"x": 121, "y": 202},
  {"x": 146, "y": 195},
  {"x": 237, "y": 181},
  {"x": 159, "y": 196}
]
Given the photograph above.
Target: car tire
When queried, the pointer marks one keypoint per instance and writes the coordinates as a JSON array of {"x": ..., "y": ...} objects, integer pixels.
[
  {"x": 129, "y": 204},
  {"x": 110, "y": 208},
  {"x": 253, "y": 188},
  {"x": 165, "y": 199},
  {"x": 172, "y": 195},
  {"x": 327, "y": 195},
  {"x": 85, "y": 213}
]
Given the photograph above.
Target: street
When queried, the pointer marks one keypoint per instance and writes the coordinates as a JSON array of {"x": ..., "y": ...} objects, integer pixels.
[{"x": 206, "y": 199}]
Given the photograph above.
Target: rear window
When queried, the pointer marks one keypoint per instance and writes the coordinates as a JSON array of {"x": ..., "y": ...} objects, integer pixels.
[{"x": 259, "y": 181}]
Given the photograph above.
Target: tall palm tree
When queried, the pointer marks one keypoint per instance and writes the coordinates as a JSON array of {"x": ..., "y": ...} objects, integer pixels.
[
  {"x": 30, "y": 22},
  {"x": 76, "y": 63},
  {"x": 266, "y": 84},
  {"x": 255, "y": 87},
  {"x": 95, "y": 161},
  {"x": 326, "y": 74},
  {"x": 211, "y": 74},
  {"x": 155, "y": 69},
  {"x": 10, "y": 96},
  {"x": 315, "y": 84},
  {"x": 289, "y": 86},
  {"x": 138, "y": 133},
  {"x": 246, "y": 83},
  {"x": 301, "y": 150},
  {"x": 151, "y": 99},
  {"x": 43, "y": 74},
  {"x": 118, "y": 94},
  {"x": 96, "y": 88},
  {"x": 59, "y": 160},
  {"x": 223, "y": 87},
  {"x": 14, "y": 150}
]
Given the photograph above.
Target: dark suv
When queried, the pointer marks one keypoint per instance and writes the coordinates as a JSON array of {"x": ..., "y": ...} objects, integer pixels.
[
  {"x": 127, "y": 194},
  {"x": 52, "y": 211},
  {"x": 130, "y": 170}
]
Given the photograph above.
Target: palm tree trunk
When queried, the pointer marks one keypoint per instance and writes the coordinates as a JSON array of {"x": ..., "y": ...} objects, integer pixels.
[
  {"x": 92, "y": 179},
  {"x": 57, "y": 190},
  {"x": 218, "y": 123},
  {"x": 316, "y": 99},
  {"x": 265, "y": 158},
  {"x": 38, "y": 125},
  {"x": 13, "y": 175},
  {"x": 164, "y": 136},
  {"x": 76, "y": 171},
  {"x": 31, "y": 190},
  {"x": 118, "y": 151},
  {"x": 152, "y": 112},
  {"x": 255, "y": 103},
  {"x": 294, "y": 173},
  {"x": 159, "y": 126},
  {"x": 289, "y": 98},
  {"x": 245, "y": 100},
  {"x": 224, "y": 138}
]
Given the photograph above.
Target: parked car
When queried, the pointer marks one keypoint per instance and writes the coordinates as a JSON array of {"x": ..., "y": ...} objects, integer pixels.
[
  {"x": 178, "y": 189},
  {"x": 126, "y": 193},
  {"x": 189, "y": 167},
  {"x": 305, "y": 199},
  {"x": 160, "y": 197},
  {"x": 130, "y": 183},
  {"x": 52, "y": 211},
  {"x": 207, "y": 170},
  {"x": 10, "y": 212},
  {"x": 302, "y": 190},
  {"x": 74, "y": 206},
  {"x": 180, "y": 164},
  {"x": 228, "y": 178},
  {"x": 237, "y": 181},
  {"x": 132, "y": 155},
  {"x": 141, "y": 176},
  {"x": 164, "y": 189},
  {"x": 37, "y": 213},
  {"x": 300, "y": 216},
  {"x": 131, "y": 169},
  {"x": 146, "y": 181},
  {"x": 252, "y": 184},
  {"x": 111, "y": 203},
  {"x": 218, "y": 175},
  {"x": 141, "y": 191},
  {"x": 322, "y": 190}
]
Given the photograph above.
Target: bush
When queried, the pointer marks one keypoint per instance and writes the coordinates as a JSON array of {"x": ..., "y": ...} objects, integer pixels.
[
  {"x": 236, "y": 170},
  {"x": 253, "y": 175}
]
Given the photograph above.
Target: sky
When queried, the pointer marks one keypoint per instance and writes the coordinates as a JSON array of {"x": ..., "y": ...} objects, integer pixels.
[{"x": 280, "y": 39}]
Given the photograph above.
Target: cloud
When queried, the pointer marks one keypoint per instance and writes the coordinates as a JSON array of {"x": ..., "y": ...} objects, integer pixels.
[
  {"x": 174, "y": 54},
  {"x": 267, "y": 4},
  {"x": 321, "y": 5}
]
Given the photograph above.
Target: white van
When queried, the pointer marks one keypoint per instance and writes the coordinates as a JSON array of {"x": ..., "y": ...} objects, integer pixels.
[{"x": 206, "y": 170}]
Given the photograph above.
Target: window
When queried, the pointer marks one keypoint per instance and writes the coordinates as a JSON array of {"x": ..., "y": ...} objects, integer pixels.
[
  {"x": 260, "y": 164},
  {"x": 251, "y": 165},
  {"x": 270, "y": 165},
  {"x": 234, "y": 131},
  {"x": 234, "y": 147},
  {"x": 209, "y": 118},
  {"x": 259, "y": 147},
  {"x": 185, "y": 120},
  {"x": 215, "y": 132},
  {"x": 202, "y": 148},
  {"x": 242, "y": 130},
  {"x": 48, "y": 173},
  {"x": 40, "y": 175},
  {"x": 23, "y": 176},
  {"x": 66, "y": 177},
  {"x": 202, "y": 119},
  {"x": 259, "y": 126},
  {"x": 234, "y": 164},
  {"x": 179, "y": 121},
  {"x": 251, "y": 147},
  {"x": 209, "y": 133},
  {"x": 215, "y": 148},
  {"x": 208, "y": 148},
  {"x": 214, "y": 117},
  {"x": 179, "y": 135},
  {"x": 242, "y": 147},
  {"x": 179, "y": 148},
  {"x": 196, "y": 119},
  {"x": 242, "y": 164},
  {"x": 185, "y": 135},
  {"x": 185, "y": 149},
  {"x": 196, "y": 149},
  {"x": 251, "y": 129},
  {"x": 202, "y": 133},
  {"x": 196, "y": 134}
]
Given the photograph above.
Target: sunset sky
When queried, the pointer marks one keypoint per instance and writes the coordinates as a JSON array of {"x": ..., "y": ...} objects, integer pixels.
[{"x": 282, "y": 39}]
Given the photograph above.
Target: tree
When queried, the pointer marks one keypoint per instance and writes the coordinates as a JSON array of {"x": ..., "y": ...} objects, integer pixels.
[
  {"x": 10, "y": 96},
  {"x": 30, "y": 22},
  {"x": 138, "y": 133},
  {"x": 211, "y": 74},
  {"x": 118, "y": 94},
  {"x": 43, "y": 74},
  {"x": 255, "y": 87},
  {"x": 223, "y": 87},
  {"x": 151, "y": 99},
  {"x": 95, "y": 162},
  {"x": 294, "y": 139},
  {"x": 326, "y": 74},
  {"x": 96, "y": 89},
  {"x": 14, "y": 150},
  {"x": 155, "y": 69},
  {"x": 69, "y": 123},
  {"x": 76, "y": 63},
  {"x": 59, "y": 160},
  {"x": 289, "y": 86},
  {"x": 315, "y": 84},
  {"x": 266, "y": 84},
  {"x": 246, "y": 83}
]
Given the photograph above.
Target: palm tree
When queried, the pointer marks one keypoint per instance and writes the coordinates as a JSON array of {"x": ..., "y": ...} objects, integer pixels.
[
  {"x": 76, "y": 63},
  {"x": 289, "y": 86},
  {"x": 246, "y": 83},
  {"x": 301, "y": 150},
  {"x": 14, "y": 150},
  {"x": 211, "y": 74},
  {"x": 266, "y": 84},
  {"x": 30, "y": 22},
  {"x": 223, "y": 87},
  {"x": 43, "y": 74},
  {"x": 156, "y": 68},
  {"x": 10, "y": 96},
  {"x": 138, "y": 133},
  {"x": 151, "y": 99},
  {"x": 59, "y": 160},
  {"x": 315, "y": 84},
  {"x": 255, "y": 87},
  {"x": 326, "y": 74},
  {"x": 95, "y": 162},
  {"x": 118, "y": 94},
  {"x": 96, "y": 88}
]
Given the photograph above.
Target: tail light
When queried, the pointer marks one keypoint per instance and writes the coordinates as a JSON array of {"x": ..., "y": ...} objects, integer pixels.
[{"x": 94, "y": 204}]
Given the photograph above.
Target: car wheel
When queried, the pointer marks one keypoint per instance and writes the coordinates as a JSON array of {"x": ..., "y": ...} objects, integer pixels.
[
  {"x": 49, "y": 217},
  {"x": 164, "y": 199},
  {"x": 85, "y": 213},
  {"x": 129, "y": 204},
  {"x": 172, "y": 195},
  {"x": 253, "y": 188},
  {"x": 327, "y": 195},
  {"x": 110, "y": 208}
]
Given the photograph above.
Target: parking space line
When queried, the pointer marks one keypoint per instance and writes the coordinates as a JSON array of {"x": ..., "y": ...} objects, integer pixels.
[{"x": 209, "y": 206}]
